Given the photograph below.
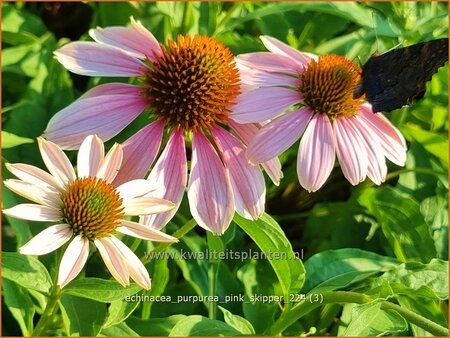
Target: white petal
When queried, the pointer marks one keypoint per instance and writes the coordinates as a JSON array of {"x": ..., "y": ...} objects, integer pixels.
[
  {"x": 56, "y": 162},
  {"x": 146, "y": 205},
  {"x": 139, "y": 230},
  {"x": 73, "y": 260},
  {"x": 113, "y": 259},
  {"x": 134, "y": 188},
  {"x": 34, "y": 212},
  {"x": 48, "y": 240},
  {"x": 90, "y": 156},
  {"x": 33, "y": 175},
  {"x": 34, "y": 193},
  {"x": 112, "y": 163}
]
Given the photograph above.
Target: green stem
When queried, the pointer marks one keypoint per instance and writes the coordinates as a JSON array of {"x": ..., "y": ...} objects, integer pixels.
[
  {"x": 341, "y": 297},
  {"x": 188, "y": 226},
  {"x": 183, "y": 26},
  {"x": 212, "y": 276}
]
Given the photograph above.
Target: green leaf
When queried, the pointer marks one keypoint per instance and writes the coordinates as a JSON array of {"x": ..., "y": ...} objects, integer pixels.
[
  {"x": 82, "y": 317},
  {"x": 370, "y": 320},
  {"x": 154, "y": 326},
  {"x": 201, "y": 326},
  {"x": 160, "y": 278},
  {"x": 335, "y": 269},
  {"x": 20, "y": 305},
  {"x": 427, "y": 280},
  {"x": 101, "y": 290},
  {"x": 10, "y": 140},
  {"x": 239, "y": 323},
  {"x": 270, "y": 238},
  {"x": 119, "y": 330},
  {"x": 431, "y": 141},
  {"x": 119, "y": 311},
  {"x": 16, "y": 21},
  {"x": 401, "y": 221},
  {"x": 26, "y": 271}
]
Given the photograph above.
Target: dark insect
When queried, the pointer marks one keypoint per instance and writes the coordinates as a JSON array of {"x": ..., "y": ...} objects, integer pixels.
[{"x": 396, "y": 78}]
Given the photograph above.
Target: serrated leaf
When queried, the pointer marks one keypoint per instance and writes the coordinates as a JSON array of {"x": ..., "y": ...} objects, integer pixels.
[
  {"x": 119, "y": 311},
  {"x": 101, "y": 290},
  {"x": 201, "y": 326},
  {"x": 27, "y": 271},
  {"x": 239, "y": 323},
  {"x": 154, "y": 326},
  {"x": 270, "y": 238}
]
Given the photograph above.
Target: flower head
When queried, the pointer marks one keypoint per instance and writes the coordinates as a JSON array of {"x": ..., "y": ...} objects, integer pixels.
[
  {"x": 190, "y": 88},
  {"x": 311, "y": 97},
  {"x": 87, "y": 209}
]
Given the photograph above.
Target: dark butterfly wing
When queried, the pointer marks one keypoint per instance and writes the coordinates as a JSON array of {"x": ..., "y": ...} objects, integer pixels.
[{"x": 395, "y": 78}]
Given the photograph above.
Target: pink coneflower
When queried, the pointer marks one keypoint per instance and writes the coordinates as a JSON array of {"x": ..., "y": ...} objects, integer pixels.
[
  {"x": 86, "y": 208},
  {"x": 190, "y": 87},
  {"x": 311, "y": 98}
]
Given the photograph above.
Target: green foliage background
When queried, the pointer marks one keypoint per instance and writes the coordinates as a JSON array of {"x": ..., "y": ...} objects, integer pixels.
[{"x": 383, "y": 243}]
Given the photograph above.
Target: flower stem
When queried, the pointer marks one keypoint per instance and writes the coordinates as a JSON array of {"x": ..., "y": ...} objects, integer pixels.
[{"x": 341, "y": 297}]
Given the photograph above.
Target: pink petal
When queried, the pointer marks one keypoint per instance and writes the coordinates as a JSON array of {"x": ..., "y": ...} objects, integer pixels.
[
  {"x": 138, "y": 27},
  {"x": 263, "y": 104},
  {"x": 391, "y": 140},
  {"x": 246, "y": 132},
  {"x": 128, "y": 40},
  {"x": 168, "y": 177},
  {"x": 33, "y": 175},
  {"x": 104, "y": 115},
  {"x": 269, "y": 62},
  {"x": 249, "y": 189},
  {"x": 280, "y": 48},
  {"x": 56, "y": 162},
  {"x": 111, "y": 164},
  {"x": 377, "y": 169},
  {"x": 90, "y": 156},
  {"x": 48, "y": 240},
  {"x": 113, "y": 259},
  {"x": 112, "y": 89},
  {"x": 209, "y": 191},
  {"x": 94, "y": 59},
  {"x": 144, "y": 232},
  {"x": 35, "y": 193},
  {"x": 316, "y": 153},
  {"x": 73, "y": 260},
  {"x": 259, "y": 78},
  {"x": 278, "y": 135},
  {"x": 139, "y": 152},
  {"x": 350, "y": 150},
  {"x": 34, "y": 212},
  {"x": 136, "y": 269}
]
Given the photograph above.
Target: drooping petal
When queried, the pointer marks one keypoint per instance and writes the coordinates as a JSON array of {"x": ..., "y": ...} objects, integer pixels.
[
  {"x": 209, "y": 191},
  {"x": 34, "y": 192},
  {"x": 111, "y": 164},
  {"x": 377, "y": 169},
  {"x": 73, "y": 260},
  {"x": 112, "y": 89},
  {"x": 169, "y": 177},
  {"x": 391, "y": 140},
  {"x": 139, "y": 27},
  {"x": 139, "y": 230},
  {"x": 263, "y": 104},
  {"x": 139, "y": 152},
  {"x": 253, "y": 77},
  {"x": 56, "y": 162},
  {"x": 113, "y": 259},
  {"x": 280, "y": 48},
  {"x": 249, "y": 189},
  {"x": 268, "y": 62},
  {"x": 278, "y": 135},
  {"x": 34, "y": 212},
  {"x": 94, "y": 59},
  {"x": 134, "y": 188},
  {"x": 350, "y": 150},
  {"x": 48, "y": 240},
  {"x": 136, "y": 269},
  {"x": 316, "y": 153},
  {"x": 128, "y": 40},
  {"x": 104, "y": 115},
  {"x": 33, "y": 175},
  {"x": 146, "y": 205},
  {"x": 90, "y": 156},
  {"x": 246, "y": 133}
]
